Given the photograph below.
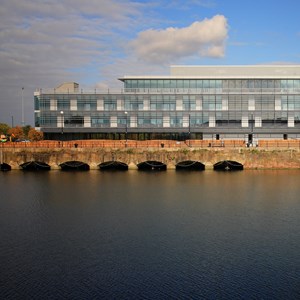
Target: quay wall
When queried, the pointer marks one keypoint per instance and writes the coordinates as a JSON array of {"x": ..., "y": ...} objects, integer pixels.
[{"x": 251, "y": 158}]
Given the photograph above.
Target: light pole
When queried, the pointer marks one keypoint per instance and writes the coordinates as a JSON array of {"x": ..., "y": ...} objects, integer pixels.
[
  {"x": 126, "y": 130},
  {"x": 189, "y": 130},
  {"x": 23, "y": 122},
  {"x": 62, "y": 124},
  {"x": 251, "y": 135}
]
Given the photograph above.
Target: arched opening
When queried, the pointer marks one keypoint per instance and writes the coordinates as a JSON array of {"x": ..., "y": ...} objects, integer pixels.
[
  {"x": 74, "y": 165},
  {"x": 190, "y": 165},
  {"x": 113, "y": 165},
  {"x": 228, "y": 165},
  {"x": 35, "y": 166},
  {"x": 5, "y": 167},
  {"x": 152, "y": 165}
]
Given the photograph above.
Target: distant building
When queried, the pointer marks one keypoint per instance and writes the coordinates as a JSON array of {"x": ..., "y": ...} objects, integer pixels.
[{"x": 197, "y": 102}]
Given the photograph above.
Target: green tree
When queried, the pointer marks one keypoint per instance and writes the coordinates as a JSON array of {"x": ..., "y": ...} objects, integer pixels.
[
  {"x": 4, "y": 128},
  {"x": 26, "y": 130}
]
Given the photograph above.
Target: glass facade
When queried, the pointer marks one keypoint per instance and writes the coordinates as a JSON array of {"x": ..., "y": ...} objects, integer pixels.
[{"x": 200, "y": 107}]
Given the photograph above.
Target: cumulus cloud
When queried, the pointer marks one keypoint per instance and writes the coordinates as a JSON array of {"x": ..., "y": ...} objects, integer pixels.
[
  {"x": 44, "y": 43},
  {"x": 206, "y": 38}
]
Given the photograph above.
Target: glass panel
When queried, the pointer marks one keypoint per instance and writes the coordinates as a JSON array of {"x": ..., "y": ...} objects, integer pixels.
[
  {"x": 160, "y": 83},
  {"x": 290, "y": 84},
  {"x": 291, "y": 103},
  {"x": 172, "y": 83},
  {"x": 179, "y": 84},
  {"x": 296, "y": 84},
  {"x": 186, "y": 84},
  {"x": 212, "y": 84},
  {"x": 199, "y": 84},
  {"x": 297, "y": 101},
  {"x": 205, "y": 84},
  {"x": 218, "y": 84},
  {"x": 147, "y": 84},
  {"x": 36, "y": 103},
  {"x": 193, "y": 84},
  {"x": 153, "y": 83},
  {"x": 134, "y": 84},
  {"x": 284, "y": 102}
]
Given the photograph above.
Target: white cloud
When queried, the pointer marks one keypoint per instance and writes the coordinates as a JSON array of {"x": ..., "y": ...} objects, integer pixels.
[
  {"x": 205, "y": 38},
  {"x": 44, "y": 43}
]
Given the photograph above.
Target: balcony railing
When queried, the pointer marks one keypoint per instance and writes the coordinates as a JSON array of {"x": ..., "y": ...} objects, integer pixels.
[{"x": 176, "y": 91}]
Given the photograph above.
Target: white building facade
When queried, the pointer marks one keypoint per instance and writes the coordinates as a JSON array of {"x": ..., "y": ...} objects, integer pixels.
[{"x": 197, "y": 102}]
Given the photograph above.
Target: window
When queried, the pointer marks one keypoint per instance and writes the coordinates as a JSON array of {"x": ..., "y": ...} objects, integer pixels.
[
  {"x": 133, "y": 102},
  {"x": 284, "y": 102},
  {"x": 37, "y": 119},
  {"x": 121, "y": 120},
  {"x": 193, "y": 84},
  {"x": 189, "y": 102},
  {"x": 175, "y": 121},
  {"x": 297, "y": 102},
  {"x": 48, "y": 120},
  {"x": 110, "y": 102},
  {"x": 36, "y": 103},
  {"x": 291, "y": 102},
  {"x": 179, "y": 84},
  {"x": 63, "y": 104},
  {"x": 100, "y": 121},
  {"x": 196, "y": 120},
  {"x": 150, "y": 121},
  {"x": 218, "y": 102},
  {"x": 209, "y": 102},
  {"x": 153, "y": 84}
]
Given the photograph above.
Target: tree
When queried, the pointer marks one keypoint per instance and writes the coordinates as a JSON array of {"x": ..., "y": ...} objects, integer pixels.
[
  {"x": 35, "y": 135},
  {"x": 4, "y": 128},
  {"x": 16, "y": 133},
  {"x": 26, "y": 130}
]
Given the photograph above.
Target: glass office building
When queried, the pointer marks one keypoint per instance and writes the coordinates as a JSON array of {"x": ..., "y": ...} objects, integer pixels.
[{"x": 194, "y": 102}]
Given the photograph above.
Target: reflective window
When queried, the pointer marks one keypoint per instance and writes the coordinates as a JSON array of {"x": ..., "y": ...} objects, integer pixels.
[
  {"x": 98, "y": 121},
  {"x": 36, "y": 103},
  {"x": 189, "y": 102},
  {"x": 110, "y": 102}
]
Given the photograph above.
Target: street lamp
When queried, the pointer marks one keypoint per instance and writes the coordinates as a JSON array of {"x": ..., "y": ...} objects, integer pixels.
[
  {"x": 22, "y": 104},
  {"x": 251, "y": 135},
  {"x": 62, "y": 123},
  {"x": 189, "y": 130},
  {"x": 126, "y": 130}
]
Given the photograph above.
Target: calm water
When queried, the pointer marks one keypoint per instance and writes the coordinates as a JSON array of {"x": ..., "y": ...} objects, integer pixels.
[{"x": 137, "y": 235}]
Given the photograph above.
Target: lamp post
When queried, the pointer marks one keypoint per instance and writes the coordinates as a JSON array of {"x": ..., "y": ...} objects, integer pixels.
[
  {"x": 62, "y": 124},
  {"x": 189, "y": 130},
  {"x": 252, "y": 121},
  {"x": 22, "y": 104},
  {"x": 126, "y": 130}
]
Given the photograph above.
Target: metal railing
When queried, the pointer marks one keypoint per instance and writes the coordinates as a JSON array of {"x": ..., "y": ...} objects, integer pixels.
[
  {"x": 116, "y": 91},
  {"x": 150, "y": 144}
]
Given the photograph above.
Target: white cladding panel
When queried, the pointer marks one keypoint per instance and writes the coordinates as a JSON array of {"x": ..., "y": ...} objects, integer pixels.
[{"x": 250, "y": 71}]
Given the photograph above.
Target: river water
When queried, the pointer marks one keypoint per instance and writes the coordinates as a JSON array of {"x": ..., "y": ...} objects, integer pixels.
[{"x": 138, "y": 235}]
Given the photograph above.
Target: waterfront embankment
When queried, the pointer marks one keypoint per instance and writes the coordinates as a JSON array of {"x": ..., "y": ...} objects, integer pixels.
[{"x": 251, "y": 158}]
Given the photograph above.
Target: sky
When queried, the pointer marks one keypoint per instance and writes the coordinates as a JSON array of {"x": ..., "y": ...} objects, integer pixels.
[{"x": 44, "y": 43}]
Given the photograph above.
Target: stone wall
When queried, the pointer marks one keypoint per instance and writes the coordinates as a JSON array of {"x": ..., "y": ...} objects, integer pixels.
[{"x": 251, "y": 158}]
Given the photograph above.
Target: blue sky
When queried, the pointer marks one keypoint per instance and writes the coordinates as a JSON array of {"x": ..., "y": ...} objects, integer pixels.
[{"x": 93, "y": 42}]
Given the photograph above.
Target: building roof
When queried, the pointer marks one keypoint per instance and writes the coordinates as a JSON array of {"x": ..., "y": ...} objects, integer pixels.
[
  {"x": 71, "y": 87},
  {"x": 227, "y": 72}
]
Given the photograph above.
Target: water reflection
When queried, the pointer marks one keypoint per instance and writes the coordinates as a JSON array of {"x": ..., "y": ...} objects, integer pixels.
[{"x": 150, "y": 235}]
